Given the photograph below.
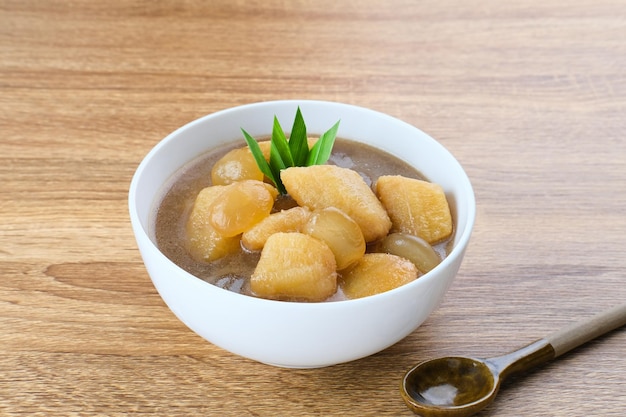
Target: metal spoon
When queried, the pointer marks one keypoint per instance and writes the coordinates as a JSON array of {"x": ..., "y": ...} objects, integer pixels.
[{"x": 460, "y": 386}]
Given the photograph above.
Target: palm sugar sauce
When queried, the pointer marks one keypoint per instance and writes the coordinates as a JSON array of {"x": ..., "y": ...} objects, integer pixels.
[{"x": 232, "y": 272}]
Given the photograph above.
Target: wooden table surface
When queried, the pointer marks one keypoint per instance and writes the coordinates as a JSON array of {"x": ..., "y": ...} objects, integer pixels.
[{"x": 530, "y": 97}]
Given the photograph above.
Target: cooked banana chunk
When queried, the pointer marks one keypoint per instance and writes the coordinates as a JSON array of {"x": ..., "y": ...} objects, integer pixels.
[
  {"x": 416, "y": 207},
  {"x": 295, "y": 266},
  {"x": 375, "y": 273},
  {"x": 203, "y": 242},
  {"x": 342, "y": 235},
  {"x": 241, "y": 205},
  {"x": 290, "y": 220},
  {"x": 322, "y": 186},
  {"x": 238, "y": 165},
  {"x": 411, "y": 247}
]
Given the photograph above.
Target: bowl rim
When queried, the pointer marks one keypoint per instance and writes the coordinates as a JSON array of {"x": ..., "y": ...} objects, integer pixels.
[{"x": 457, "y": 251}]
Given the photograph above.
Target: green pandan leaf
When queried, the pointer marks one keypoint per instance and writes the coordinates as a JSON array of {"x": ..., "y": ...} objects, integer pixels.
[
  {"x": 257, "y": 153},
  {"x": 280, "y": 154},
  {"x": 293, "y": 152},
  {"x": 320, "y": 152},
  {"x": 298, "y": 141}
]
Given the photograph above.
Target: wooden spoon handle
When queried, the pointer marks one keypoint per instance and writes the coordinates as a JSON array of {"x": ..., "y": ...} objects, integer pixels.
[{"x": 578, "y": 333}]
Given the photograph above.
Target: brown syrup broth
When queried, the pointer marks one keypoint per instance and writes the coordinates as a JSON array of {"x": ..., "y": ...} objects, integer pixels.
[{"x": 233, "y": 272}]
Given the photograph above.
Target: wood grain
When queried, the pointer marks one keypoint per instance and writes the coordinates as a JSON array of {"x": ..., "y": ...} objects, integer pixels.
[{"x": 530, "y": 97}]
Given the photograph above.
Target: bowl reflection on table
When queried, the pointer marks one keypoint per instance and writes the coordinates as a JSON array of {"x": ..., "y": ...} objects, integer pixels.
[{"x": 292, "y": 334}]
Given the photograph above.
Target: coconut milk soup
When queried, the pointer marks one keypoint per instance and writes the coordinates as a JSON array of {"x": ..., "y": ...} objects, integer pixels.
[{"x": 233, "y": 271}]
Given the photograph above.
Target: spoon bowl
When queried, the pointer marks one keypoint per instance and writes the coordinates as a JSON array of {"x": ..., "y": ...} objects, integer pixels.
[
  {"x": 460, "y": 386},
  {"x": 451, "y": 386}
]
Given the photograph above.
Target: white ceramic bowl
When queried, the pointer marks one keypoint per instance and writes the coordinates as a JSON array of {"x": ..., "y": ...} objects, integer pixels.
[{"x": 291, "y": 334}]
